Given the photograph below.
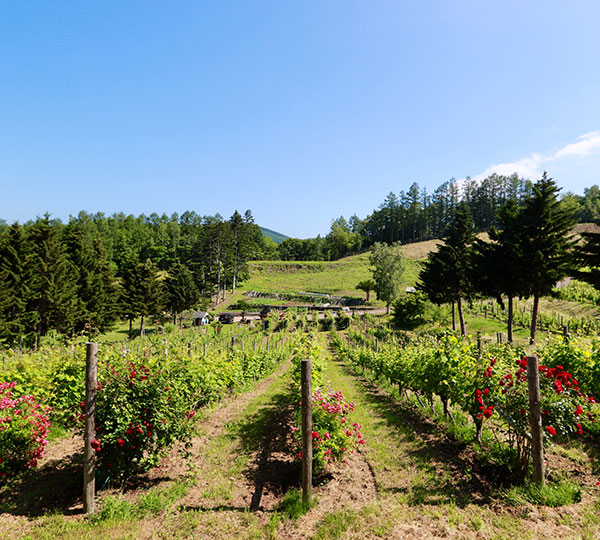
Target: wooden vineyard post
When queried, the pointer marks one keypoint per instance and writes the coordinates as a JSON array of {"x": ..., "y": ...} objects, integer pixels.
[
  {"x": 479, "y": 344},
  {"x": 89, "y": 459},
  {"x": 535, "y": 419},
  {"x": 307, "y": 455}
]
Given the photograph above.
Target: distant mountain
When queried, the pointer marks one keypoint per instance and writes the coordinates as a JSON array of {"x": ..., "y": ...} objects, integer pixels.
[{"x": 275, "y": 236}]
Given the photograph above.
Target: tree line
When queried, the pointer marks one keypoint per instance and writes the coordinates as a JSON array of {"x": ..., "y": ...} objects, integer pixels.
[
  {"x": 416, "y": 215},
  {"x": 80, "y": 277},
  {"x": 530, "y": 249}
]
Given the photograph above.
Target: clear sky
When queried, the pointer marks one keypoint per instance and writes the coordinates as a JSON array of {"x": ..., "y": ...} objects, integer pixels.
[{"x": 299, "y": 110}]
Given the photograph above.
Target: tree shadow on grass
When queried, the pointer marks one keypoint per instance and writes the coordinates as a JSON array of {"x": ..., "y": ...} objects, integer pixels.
[
  {"x": 274, "y": 470},
  {"x": 449, "y": 470},
  {"x": 56, "y": 487}
]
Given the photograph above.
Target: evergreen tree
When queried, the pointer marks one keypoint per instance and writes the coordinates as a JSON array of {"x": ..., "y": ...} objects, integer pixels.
[
  {"x": 588, "y": 256},
  {"x": 497, "y": 265},
  {"x": 53, "y": 290},
  {"x": 16, "y": 280},
  {"x": 546, "y": 246},
  {"x": 446, "y": 272},
  {"x": 182, "y": 292},
  {"x": 96, "y": 290},
  {"x": 143, "y": 293},
  {"x": 437, "y": 289}
]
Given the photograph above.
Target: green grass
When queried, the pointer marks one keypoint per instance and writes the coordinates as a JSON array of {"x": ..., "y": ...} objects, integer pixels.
[
  {"x": 338, "y": 278},
  {"x": 549, "y": 494},
  {"x": 292, "y": 506},
  {"x": 150, "y": 503},
  {"x": 335, "y": 524}
]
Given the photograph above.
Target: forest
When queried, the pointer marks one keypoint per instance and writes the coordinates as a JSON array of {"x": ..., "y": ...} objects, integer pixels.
[{"x": 81, "y": 276}]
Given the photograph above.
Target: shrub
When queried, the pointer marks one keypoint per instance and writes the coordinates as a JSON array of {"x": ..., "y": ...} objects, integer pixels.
[
  {"x": 342, "y": 321},
  {"x": 142, "y": 409},
  {"x": 565, "y": 409},
  {"x": 332, "y": 434},
  {"x": 23, "y": 431},
  {"x": 409, "y": 310}
]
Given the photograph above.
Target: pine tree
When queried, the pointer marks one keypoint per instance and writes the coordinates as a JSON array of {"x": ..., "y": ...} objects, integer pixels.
[
  {"x": 182, "y": 292},
  {"x": 497, "y": 265},
  {"x": 446, "y": 274},
  {"x": 16, "y": 321},
  {"x": 546, "y": 246},
  {"x": 588, "y": 256},
  {"x": 54, "y": 284},
  {"x": 151, "y": 291},
  {"x": 96, "y": 283}
]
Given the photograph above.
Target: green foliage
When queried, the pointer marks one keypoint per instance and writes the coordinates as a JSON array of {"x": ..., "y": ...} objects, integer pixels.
[
  {"x": 142, "y": 409},
  {"x": 67, "y": 390},
  {"x": 182, "y": 292},
  {"x": 492, "y": 389},
  {"x": 544, "y": 242},
  {"x": 327, "y": 322},
  {"x": 579, "y": 291},
  {"x": 23, "y": 431},
  {"x": 445, "y": 276},
  {"x": 366, "y": 285},
  {"x": 588, "y": 256},
  {"x": 388, "y": 266},
  {"x": 409, "y": 310},
  {"x": 147, "y": 403},
  {"x": 333, "y": 435},
  {"x": 342, "y": 321}
]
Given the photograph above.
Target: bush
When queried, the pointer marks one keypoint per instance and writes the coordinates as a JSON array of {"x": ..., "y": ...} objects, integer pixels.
[
  {"x": 332, "y": 435},
  {"x": 342, "y": 321},
  {"x": 142, "y": 409},
  {"x": 23, "y": 431},
  {"x": 409, "y": 310}
]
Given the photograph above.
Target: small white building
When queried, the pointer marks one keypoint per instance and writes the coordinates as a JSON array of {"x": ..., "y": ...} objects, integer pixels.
[{"x": 200, "y": 318}]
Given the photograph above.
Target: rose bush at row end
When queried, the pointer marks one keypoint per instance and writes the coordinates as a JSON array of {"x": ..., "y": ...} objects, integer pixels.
[
  {"x": 566, "y": 410},
  {"x": 333, "y": 434},
  {"x": 23, "y": 431}
]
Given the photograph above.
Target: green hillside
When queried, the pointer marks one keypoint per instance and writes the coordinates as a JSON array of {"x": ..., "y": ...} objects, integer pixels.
[
  {"x": 337, "y": 278},
  {"x": 273, "y": 235}
]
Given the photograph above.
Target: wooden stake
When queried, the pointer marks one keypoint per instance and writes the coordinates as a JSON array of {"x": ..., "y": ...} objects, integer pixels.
[
  {"x": 89, "y": 459},
  {"x": 535, "y": 418},
  {"x": 307, "y": 426}
]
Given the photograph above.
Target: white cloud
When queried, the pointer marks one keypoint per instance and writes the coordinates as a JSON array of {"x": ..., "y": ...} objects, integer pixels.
[
  {"x": 586, "y": 145},
  {"x": 533, "y": 166}
]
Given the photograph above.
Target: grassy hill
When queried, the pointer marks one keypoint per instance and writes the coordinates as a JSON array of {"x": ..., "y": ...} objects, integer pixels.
[
  {"x": 273, "y": 235},
  {"x": 337, "y": 278}
]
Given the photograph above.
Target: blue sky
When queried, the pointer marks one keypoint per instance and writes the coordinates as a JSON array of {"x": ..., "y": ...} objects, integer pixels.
[{"x": 299, "y": 110}]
